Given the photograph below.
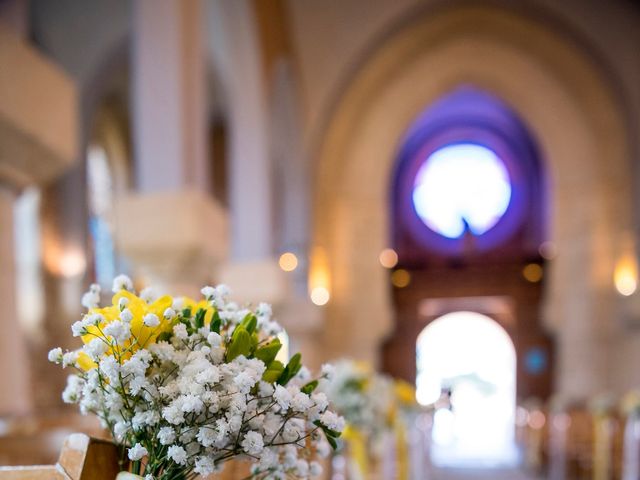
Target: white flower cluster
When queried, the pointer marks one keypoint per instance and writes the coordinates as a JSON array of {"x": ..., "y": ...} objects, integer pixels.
[
  {"x": 187, "y": 386},
  {"x": 363, "y": 397}
]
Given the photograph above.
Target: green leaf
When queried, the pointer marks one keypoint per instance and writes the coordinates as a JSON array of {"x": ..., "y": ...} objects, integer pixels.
[
  {"x": 250, "y": 322},
  {"x": 273, "y": 372},
  {"x": 327, "y": 431},
  {"x": 291, "y": 370},
  {"x": 216, "y": 322},
  {"x": 164, "y": 337},
  {"x": 268, "y": 352},
  {"x": 200, "y": 317},
  {"x": 309, "y": 387},
  {"x": 240, "y": 344},
  {"x": 329, "y": 434},
  {"x": 186, "y": 313}
]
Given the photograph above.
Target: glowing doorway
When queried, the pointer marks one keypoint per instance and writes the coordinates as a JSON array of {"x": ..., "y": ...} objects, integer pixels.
[{"x": 473, "y": 357}]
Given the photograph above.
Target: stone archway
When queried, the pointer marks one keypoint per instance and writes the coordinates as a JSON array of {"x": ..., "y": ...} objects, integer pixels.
[{"x": 568, "y": 105}]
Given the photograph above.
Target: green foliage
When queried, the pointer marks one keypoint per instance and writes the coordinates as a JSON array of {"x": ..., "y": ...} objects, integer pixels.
[
  {"x": 216, "y": 322},
  {"x": 241, "y": 343},
  {"x": 199, "y": 318},
  {"x": 268, "y": 352},
  {"x": 273, "y": 372},
  {"x": 309, "y": 387},
  {"x": 250, "y": 322},
  {"x": 291, "y": 370},
  {"x": 330, "y": 435}
]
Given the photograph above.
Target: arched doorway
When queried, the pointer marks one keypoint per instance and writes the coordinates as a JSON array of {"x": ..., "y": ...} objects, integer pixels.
[{"x": 469, "y": 358}]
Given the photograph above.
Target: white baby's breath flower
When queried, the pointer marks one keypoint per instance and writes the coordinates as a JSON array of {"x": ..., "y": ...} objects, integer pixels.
[
  {"x": 78, "y": 329},
  {"x": 244, "y": 381},
  {"x": 151, "y": 320},
  {"x": 118, "y": 330},
  {"x": 265, "y": 389},
  {"x": 126, "y": 315},
  {"x": 91, "y": 299},
  {"x": 148, "y": 294},
  {"x": 302, "y": 468},
  {"x": 137, "y": 452},
  {"x": 263, "y": 310},
  {"x": 204, "y": 466},
  {"x": 214, "y": 339},
  {"x": 253, "y": 443},
  {"x": 177, "y": 454},
  {"x": 122, "y": 282},
  {"x": 332, "y": 421},
  {"x": 282, "y": 397},
  {"x": 95, "y": 348},
  {"x": 208, "y": 292},
  {"x": 328, "y": 371},
  {"x": 93, "y": 319},
  {"x": 178, "y": 304},
  {"x": 323, "y": 449},
  {"x": 166, "y": 435},
  {"x": 301, "y": 402},
  {"x": 315, "y": 469},
  {"x": 180, "y": 331},
  {"x": 55, "y": 355},
  {"x": 123, "y": 302},
  {"x": 71, "y": 393},
  {"x": 169, "y": 314},
  {"x": 69, "y": 359}
]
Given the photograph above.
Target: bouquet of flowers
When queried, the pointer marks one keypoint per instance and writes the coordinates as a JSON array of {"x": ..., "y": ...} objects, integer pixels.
[
  {"x": 185, "y": 386},
  {"x": 363, "y": 397}
]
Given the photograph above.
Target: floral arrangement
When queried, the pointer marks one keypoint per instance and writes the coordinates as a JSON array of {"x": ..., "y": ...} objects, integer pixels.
[
  {"x": 630, "y": 404},
  {"x": 363, "y": 397},
  {"x": 184, "y": 386}
]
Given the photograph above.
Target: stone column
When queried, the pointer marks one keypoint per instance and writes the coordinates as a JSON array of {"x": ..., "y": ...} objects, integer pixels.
[
  {"x": 169, "y": 95},
  {"x": 14, "y": 381},
  {"x": 170, "y": 228},
  {"x": 39, "y": 132}
]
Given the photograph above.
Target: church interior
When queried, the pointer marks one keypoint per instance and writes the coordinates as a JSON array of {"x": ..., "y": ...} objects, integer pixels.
[{"x": 446, "y": 191}]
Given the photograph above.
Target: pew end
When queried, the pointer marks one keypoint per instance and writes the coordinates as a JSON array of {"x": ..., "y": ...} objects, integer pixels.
[{"x": 81, "y": 458}]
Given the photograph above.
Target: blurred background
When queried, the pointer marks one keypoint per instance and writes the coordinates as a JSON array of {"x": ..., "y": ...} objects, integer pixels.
[{"x": 447, "y": 190}]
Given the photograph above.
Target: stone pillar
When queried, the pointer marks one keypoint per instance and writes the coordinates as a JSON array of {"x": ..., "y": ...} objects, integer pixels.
[
  {"x": 169, "y": 95},
  {"x": 39, "y": 132},
  {"x": 234, "y": 38},
  {"x": 170, "y": 228},
  {"x": 14, "y": 381}
]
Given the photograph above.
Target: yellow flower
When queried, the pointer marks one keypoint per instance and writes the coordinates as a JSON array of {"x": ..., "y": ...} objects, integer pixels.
[
  {"x": 141, "y": 335},
  {"x": 405, "y": 392},
  {"x": 202, "y": 304}
]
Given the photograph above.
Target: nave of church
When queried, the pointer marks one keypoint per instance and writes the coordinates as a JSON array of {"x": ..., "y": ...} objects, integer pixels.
[{"x": 435, "y": 203}]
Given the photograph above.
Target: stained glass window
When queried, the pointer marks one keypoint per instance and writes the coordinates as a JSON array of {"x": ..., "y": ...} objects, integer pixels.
[{"x": 461, "y": 187}]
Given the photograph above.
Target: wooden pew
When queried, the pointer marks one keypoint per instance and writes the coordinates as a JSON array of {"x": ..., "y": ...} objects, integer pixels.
[{"x": 81, "y": 458}]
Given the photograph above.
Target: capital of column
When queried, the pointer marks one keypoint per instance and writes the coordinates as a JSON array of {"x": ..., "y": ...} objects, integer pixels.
[
  {"x": 256, "y": 281},
  {"x": 175, "y": 240}
]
